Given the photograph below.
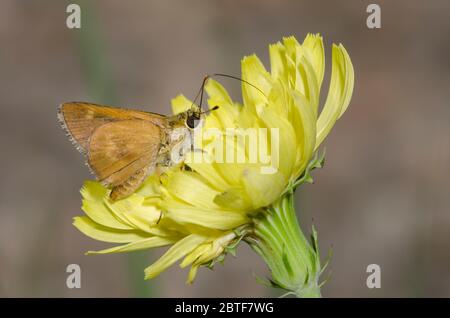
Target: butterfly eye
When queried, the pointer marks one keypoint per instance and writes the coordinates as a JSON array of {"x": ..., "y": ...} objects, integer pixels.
[{"x": 192, "y": 121}]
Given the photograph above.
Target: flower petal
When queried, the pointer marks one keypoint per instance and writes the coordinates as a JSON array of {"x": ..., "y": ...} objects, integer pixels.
[
  {"x": 192, "y": 273},
  {"x": 211, "y": 218},
  {"x": 306, "y": 128},
  {"x": 253, "y": 72},
  {"x": 180, "y": 104},
  {"x": 263, "y": 189},
  {"x": 234, "y": 198},
  {"x": 282, "y": 134},
  {"x": 339, "y": 94},
  {"x": 195, "y": 254},
  {"x": 93, "y": 194},
  {"x": 134, "y": 212},
  {"x": 181, "y": 185},
  {"x": 227, "y": 113},
  {"x": 209, "y": 172},
  {"x": 176, "y": 252},
  {"x": 106, "y": 234},
  {"x": 313, "y": 44},
  {"x": 150, "y": 242},
  {"x": 307, "y": 75},
  {"x": 150, "y": 187},
  {"x": 218, "y": 93},
  {"x": 278, "y": 68}
]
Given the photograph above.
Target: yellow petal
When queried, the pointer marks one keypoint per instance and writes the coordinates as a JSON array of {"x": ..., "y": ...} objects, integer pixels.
[
  {"x": 180, "y": 104},
  {"x": 176, "y": 252},
  {"x": 300, "y": 70},
  {"x": 247, "y": 118},
  {"x": 133, "y": 212},
  {"x": 234, "y": 198},
  {"x": 283, "y": 141},
  {"x": 263, "y": 189},
  {"x": 279, "y": 99},
  {"x": 313, "y": 43},
  {"x": 106, "y": 234},
  {"x": 278, "y": 61},
  {"x": 209, "y": 172},
  {"x": 207, "y": 251},
  {"x": 150, "y": 242},
  {"x": 291, "y": 46},
  {"x": 232, "y": 173},
  {"x": 195, "y": 254},
  {"x": 150, "y": 187},
  {"x": 292, "y": 52},
  {"x": 190, "y": 187},
  {"x": 192, "y": 273},
  {"x": 305, "y": 128},
  {"x": 218, "y": 93},
  {"x": 227, "y": 113},
  {"x": 93, "y": 195},
  {"x": 307, "y": 75},
  {"x": 339, "y": 94},
  {"x": 209, "y": 217},
  {"x": 253, "y": 71}
]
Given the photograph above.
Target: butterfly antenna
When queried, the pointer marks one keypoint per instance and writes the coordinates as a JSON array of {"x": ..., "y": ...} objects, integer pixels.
[
  {"x": 239, "y": 79},
  {"x": 210, "y": 110},
  {"x": 200, "y": 92},
  {"x": 205, "y": 79}
]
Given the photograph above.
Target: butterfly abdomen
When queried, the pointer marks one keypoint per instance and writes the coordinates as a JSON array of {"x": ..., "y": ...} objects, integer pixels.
[{"x": 129, "y": 186}]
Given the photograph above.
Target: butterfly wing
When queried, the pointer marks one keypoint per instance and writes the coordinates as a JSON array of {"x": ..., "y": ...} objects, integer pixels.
[
  {"x": 119, "y": 150},
  {"x": 79, "y": 119}
]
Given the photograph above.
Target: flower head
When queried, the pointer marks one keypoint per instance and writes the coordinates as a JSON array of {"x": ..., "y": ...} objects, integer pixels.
[{"x": 203, "y": 208}]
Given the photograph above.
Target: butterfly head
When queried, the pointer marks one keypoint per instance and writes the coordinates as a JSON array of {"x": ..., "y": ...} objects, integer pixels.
[{"x": 193, "y": 117}]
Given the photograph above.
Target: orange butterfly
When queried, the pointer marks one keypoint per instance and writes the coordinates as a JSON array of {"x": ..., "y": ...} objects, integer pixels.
[{"x": 124, "y": 146}]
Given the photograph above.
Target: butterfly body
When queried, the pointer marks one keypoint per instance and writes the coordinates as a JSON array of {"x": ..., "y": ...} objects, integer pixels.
[{"x": 122, "y": 146}]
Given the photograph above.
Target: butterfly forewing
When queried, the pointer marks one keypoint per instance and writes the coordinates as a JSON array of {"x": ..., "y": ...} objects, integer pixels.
[{"x": 79, "y": 119}]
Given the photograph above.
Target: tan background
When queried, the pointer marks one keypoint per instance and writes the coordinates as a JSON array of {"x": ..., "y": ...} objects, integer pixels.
[{"x": 382, "y": 198}]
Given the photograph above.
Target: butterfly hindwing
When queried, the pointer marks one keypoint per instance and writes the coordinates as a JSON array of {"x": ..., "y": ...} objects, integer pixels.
[{"x": 119, "y": 150}]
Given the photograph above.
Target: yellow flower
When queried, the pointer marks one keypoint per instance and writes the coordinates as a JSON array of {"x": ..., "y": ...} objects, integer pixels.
[
  {"x": 288, "y": 101},
  {"x": 204, "y": 210}
]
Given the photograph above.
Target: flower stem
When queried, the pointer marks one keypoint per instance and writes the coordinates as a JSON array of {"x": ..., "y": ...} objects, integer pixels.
[{"x": 293, "y": 262}]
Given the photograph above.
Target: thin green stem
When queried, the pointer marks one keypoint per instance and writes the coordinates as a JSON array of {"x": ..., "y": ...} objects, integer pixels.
[{"x": 101, "y": 88}]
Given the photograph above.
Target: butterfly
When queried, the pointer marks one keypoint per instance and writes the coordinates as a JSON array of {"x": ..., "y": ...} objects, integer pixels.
[{"x": 124, "y": 146}]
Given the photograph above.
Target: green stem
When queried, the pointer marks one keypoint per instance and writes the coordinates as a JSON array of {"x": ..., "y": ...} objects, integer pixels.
[
  {"x": 293, "y": 261},
  {"x": 101, "y": 88}
]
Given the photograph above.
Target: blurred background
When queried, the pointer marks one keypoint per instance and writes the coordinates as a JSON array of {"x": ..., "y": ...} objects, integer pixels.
[{"x": 383, "y": 196}]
